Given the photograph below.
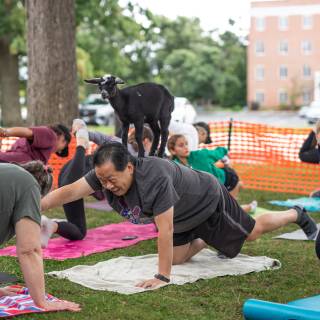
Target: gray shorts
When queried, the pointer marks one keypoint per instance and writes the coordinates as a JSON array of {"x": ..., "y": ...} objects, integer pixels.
[{"x": 225, "y": 230}]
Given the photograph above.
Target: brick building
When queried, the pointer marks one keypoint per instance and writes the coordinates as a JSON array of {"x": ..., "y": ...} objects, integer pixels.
[{"x": 283, "y": 52}]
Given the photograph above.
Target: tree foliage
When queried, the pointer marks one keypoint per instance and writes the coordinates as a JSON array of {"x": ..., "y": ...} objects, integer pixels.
[{"x": 139, "y": 46}]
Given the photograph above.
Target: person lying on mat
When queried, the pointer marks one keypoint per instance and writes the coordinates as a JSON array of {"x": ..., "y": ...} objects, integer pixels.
[
  {"x": 190, "y": 208},
  {"x": 36, "y": 143},
  {"x": 310, "y": 150},
  {"x": 75, "y": 226},
  {"x": 205, "y": 160},
  {"x": 20, "y": 189}
]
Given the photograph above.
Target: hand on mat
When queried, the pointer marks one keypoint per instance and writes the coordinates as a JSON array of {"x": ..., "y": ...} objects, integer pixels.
[
  {"x": 150, "y": 284},
  {"x": 61, "y": 305},
  {"x": 9, "y": 291}
]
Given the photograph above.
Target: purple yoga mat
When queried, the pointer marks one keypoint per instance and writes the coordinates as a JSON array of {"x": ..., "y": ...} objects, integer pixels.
[
  {"x": 99, "y": 239},
  {"x": 99, "y": 205}
]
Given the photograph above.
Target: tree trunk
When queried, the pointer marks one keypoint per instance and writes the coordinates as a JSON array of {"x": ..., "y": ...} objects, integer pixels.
[
  {"x": 9, "y": 86},
  {"x": 52, "y": 74}
]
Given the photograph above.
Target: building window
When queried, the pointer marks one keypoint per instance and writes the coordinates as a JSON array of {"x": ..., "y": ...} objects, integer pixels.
[
  {"x": 283, "y": 47},
  {"x": 259, "y": 48},
  {"x": 283, "y": 23},
  {"x": 260, "y": 97},
  {"x": 260, "y": 73},
  {"x": 283, "y": 97},
  {"x": 306, "y": 71},
  {"x": 307, "y": 22},
  {"x": 283, "y": 72},
  {"x": 306, "y": 96},
  {"x": 306, "y": 47},
  {"x": 260, "y": 23}
]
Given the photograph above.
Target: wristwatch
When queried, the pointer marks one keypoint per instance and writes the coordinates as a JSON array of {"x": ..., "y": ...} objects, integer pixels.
[{"x": 162, "y": 277}]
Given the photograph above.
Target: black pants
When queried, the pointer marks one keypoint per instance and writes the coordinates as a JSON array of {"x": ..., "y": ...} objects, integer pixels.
[
  {"x": 75, "y": 228},
  {"x": 309, "y": 151}
]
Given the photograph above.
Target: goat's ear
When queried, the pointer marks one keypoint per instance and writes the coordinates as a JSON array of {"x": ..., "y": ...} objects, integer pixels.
[
  {"x": 93, "y": 81},
  {"x": 119, "y": 81}
]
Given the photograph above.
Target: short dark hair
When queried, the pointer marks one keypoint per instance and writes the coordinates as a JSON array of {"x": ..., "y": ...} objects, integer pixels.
[
  {"x": 114, "y": 152},
  {"x": 206, "y": 127},
  {"x": 61, "y": 129}
]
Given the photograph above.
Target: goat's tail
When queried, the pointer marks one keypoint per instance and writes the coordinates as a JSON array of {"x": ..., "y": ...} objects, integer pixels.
[{"x": 170, "y": 98}]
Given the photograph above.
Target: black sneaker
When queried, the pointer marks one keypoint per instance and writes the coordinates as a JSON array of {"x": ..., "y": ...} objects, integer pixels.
[{"x": 305, "y": 222}]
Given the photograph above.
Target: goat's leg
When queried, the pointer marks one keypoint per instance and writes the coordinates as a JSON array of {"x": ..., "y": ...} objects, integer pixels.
[
  {"x": 124, "y": 134},
  {"x": 164, "y": 124},
  {"x": 156, "y": 137},
  {"x": 138, "y": 135}
]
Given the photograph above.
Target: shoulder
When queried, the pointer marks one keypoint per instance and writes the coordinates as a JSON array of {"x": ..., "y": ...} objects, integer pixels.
[{"x": 16, "y": 176}]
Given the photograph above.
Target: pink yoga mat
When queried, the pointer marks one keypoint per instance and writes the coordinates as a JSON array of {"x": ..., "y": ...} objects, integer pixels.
[{"x": 99, "y": 239}]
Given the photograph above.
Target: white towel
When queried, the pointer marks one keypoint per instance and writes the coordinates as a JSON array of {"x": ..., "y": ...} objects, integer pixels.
[
  {"x": 295, "y": 235},
  {"x": 123, "y": 273}
]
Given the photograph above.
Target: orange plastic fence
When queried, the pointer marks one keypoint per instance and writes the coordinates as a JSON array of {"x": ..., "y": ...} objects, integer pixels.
[{"x": 266, "y": 157}]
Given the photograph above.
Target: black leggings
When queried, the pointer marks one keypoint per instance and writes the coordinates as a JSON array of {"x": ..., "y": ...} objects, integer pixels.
[
  {"x": 75, "y": 228},
  {"x": 308, "y": 152}
]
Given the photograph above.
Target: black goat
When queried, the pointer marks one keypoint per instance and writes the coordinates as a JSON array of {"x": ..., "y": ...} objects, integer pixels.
[{"x": 143, "y": 103}]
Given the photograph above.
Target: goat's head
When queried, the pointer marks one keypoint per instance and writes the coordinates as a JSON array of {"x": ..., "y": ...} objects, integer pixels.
[{"x": 107, "y": 85}]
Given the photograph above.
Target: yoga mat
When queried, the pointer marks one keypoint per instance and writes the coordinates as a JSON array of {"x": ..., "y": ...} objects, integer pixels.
[
  {"x": 311, "y": 204},
  {"x": 99, "y": 239},
  {"x": 21, "y": 303},
  {"x": 302, "y": 309},
  {"x": 295, "y": 235},
  {"x": 123, "y": 273},
  {"x": 99, "y": 205}
]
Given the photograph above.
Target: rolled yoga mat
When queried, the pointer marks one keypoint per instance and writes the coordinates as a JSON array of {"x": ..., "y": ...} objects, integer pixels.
[{"x": 302, "y": 309}]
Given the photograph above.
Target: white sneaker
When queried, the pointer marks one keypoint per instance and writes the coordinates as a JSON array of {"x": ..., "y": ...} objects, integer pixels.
[
  {"x": 82, "y": 136},
  {"x": 78, "y": 124},
  {"x": 253, "y": 205},
  {"x": 47, "y": 230}
]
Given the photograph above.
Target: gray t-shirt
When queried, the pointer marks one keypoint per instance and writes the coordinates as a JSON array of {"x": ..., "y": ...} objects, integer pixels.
[
  {"x": 19, "y": 198},
  {"x": 160, "y": 184}
]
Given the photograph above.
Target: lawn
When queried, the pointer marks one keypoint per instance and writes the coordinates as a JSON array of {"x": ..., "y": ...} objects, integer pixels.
[{"x": 219, "y": 298}]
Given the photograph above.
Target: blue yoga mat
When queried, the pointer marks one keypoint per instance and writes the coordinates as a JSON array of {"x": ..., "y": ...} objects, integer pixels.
[
  {"x": 311, "y": 204},
  {"x": 302, "y": 309}
]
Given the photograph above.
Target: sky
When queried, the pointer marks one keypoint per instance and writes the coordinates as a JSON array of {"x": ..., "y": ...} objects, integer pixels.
[{"x": 212, "y": 13}]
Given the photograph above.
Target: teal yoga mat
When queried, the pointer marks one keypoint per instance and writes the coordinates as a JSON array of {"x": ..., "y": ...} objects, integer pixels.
[
  {"x": 311, "y": 204},
  {"x": 302, "y": 309}
]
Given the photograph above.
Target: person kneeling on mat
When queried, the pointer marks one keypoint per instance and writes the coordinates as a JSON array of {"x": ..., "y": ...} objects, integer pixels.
[
  {"x": 20, "y": 189},
  {"x": 190, "y": 208}
]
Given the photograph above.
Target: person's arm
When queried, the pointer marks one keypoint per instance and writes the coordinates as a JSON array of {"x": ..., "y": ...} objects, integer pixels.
[
  {"x": 66, "y": 194},
  {"x": 30, "y": 258},
  {"x": 19, "y": 132},
  {"x": 164, "y": 222},
  {"x": 99, "y": 138}
]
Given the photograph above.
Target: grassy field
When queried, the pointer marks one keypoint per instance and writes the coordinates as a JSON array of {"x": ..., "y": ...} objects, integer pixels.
[{"x": 219, "y": 298}]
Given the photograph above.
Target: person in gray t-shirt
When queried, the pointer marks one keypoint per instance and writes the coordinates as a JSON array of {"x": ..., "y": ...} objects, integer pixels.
[
  {"x": 190, "y": 208},
  {"x": 20, "y": 191},
  {"x": 75, "y": 228}
]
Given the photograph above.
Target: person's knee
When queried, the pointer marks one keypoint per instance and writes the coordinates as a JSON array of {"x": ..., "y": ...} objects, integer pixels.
[
  {"x": 78, "y": 236},
  {"x": 256, "y": 232},
  {"x": 178, "y": 260}
]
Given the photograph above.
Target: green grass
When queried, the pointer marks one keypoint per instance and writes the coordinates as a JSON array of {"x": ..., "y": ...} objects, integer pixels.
[{"x": 219, "y": 298}]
